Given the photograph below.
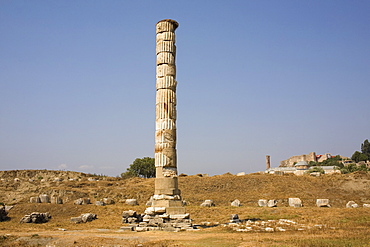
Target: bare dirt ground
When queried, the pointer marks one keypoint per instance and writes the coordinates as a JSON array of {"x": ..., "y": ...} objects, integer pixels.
[{"x": 335, "y": 226}]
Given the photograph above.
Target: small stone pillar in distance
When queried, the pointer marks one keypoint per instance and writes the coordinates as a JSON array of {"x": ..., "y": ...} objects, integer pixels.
[
  {"x": 268, "y": 164},
  {"x": 166, "y": 193}
]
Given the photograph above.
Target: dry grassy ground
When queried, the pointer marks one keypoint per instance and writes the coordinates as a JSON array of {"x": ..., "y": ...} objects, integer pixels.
[{"x": 340, "y": 226}]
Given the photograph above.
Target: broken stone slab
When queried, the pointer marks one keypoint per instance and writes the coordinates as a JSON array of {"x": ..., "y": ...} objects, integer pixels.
[
  {"x": 262, "y": 202},
  {"x": 131, "y": 202},
  {"x": 35, "y": 199},
  {"x": 207, "y": 203},
  {"x": 351, "y": 204},
  {"x": 295, "y": 202},
  {"x": 236, "y": 203},
  {"x": 322, "y": 203},
  {"x": 272, "y": 203},
  {"x": 83, "y": 218},
  {"x": 36, "y": 217},
  {"x": 155, "y": 210}
]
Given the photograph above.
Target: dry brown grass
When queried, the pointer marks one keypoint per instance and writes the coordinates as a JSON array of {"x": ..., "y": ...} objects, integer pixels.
[{"x": 341, "y": 226}]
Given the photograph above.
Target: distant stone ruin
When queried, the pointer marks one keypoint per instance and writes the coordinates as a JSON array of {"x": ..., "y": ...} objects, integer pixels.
[{"x": 295, "y": 159}]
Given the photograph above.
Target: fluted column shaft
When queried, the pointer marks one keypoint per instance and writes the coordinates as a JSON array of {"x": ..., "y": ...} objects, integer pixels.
[{"x": 165, "y": 131}]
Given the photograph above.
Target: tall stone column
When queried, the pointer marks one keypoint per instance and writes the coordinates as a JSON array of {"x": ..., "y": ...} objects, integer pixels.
[
  {"x": 166, "y": 192},
  {"x": 268, "y": 164}
]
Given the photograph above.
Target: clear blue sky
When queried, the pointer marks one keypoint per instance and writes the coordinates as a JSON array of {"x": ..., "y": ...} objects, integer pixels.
[{"x": 283, "y": 78}]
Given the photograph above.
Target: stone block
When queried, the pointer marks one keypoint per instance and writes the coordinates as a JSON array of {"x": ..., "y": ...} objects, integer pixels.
[
  {"x": 262, "y": 202},
  {"x": 56, "y": 200},
  {"x": 166, "y": 70},
  {"x": 236, "y": 203},
  {"x": 272, "y": 203},
  {"x": 366, "y": 205},
  {"x": 131, "y": 202},
  {"x": 99, "y": 203},
  {"x": 351, "y": 204},
  {"x": 167, "y": 82},
  {"x": 295, "y": 202},
  {"x": 166, "y": 26},
  {"x": 35, "y": 199},
  {"x": 108, "y": 201},
  {"x": 44, "y": 198},
  {"x": 166, "y": 58},
  {"x": 166, "y": 36},
  {"x": 322, "y": 203},
  {"x": 207, "y": 203}
]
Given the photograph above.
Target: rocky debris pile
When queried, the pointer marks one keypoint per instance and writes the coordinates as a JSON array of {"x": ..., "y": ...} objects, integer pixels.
[
  {"x": 295, "y": 202},
  {"x": 131, "y": 216},
  {"x": 36, "y": 217},
  {"x": 323, "y": 203},
  {"x": 82, "y": 201},
  {"x": 83, "y": 218},
  {"x": 3, "y": 213},
  {"x": 207, "y": 203},
  {"x": 256, "y": 225},
  {"x": 155, "y": 219}
]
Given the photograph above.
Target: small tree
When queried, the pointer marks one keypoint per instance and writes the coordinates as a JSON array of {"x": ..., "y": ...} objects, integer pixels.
[
  {"x": 357, "y": 157},
  {"x": 143, "y": 167},
  {"x": 365, "y": 148}
]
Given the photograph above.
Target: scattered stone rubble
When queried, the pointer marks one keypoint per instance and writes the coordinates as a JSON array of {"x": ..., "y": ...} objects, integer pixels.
[
  {"x": 155, "y": 219},
  {"x": 36, "y": 217},
  {"x": 83, "y": 218},
  {"x": 257, "y": 225}
]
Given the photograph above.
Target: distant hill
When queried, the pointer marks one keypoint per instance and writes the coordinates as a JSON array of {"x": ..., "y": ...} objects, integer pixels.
[{"x": 19, "y": 185}]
